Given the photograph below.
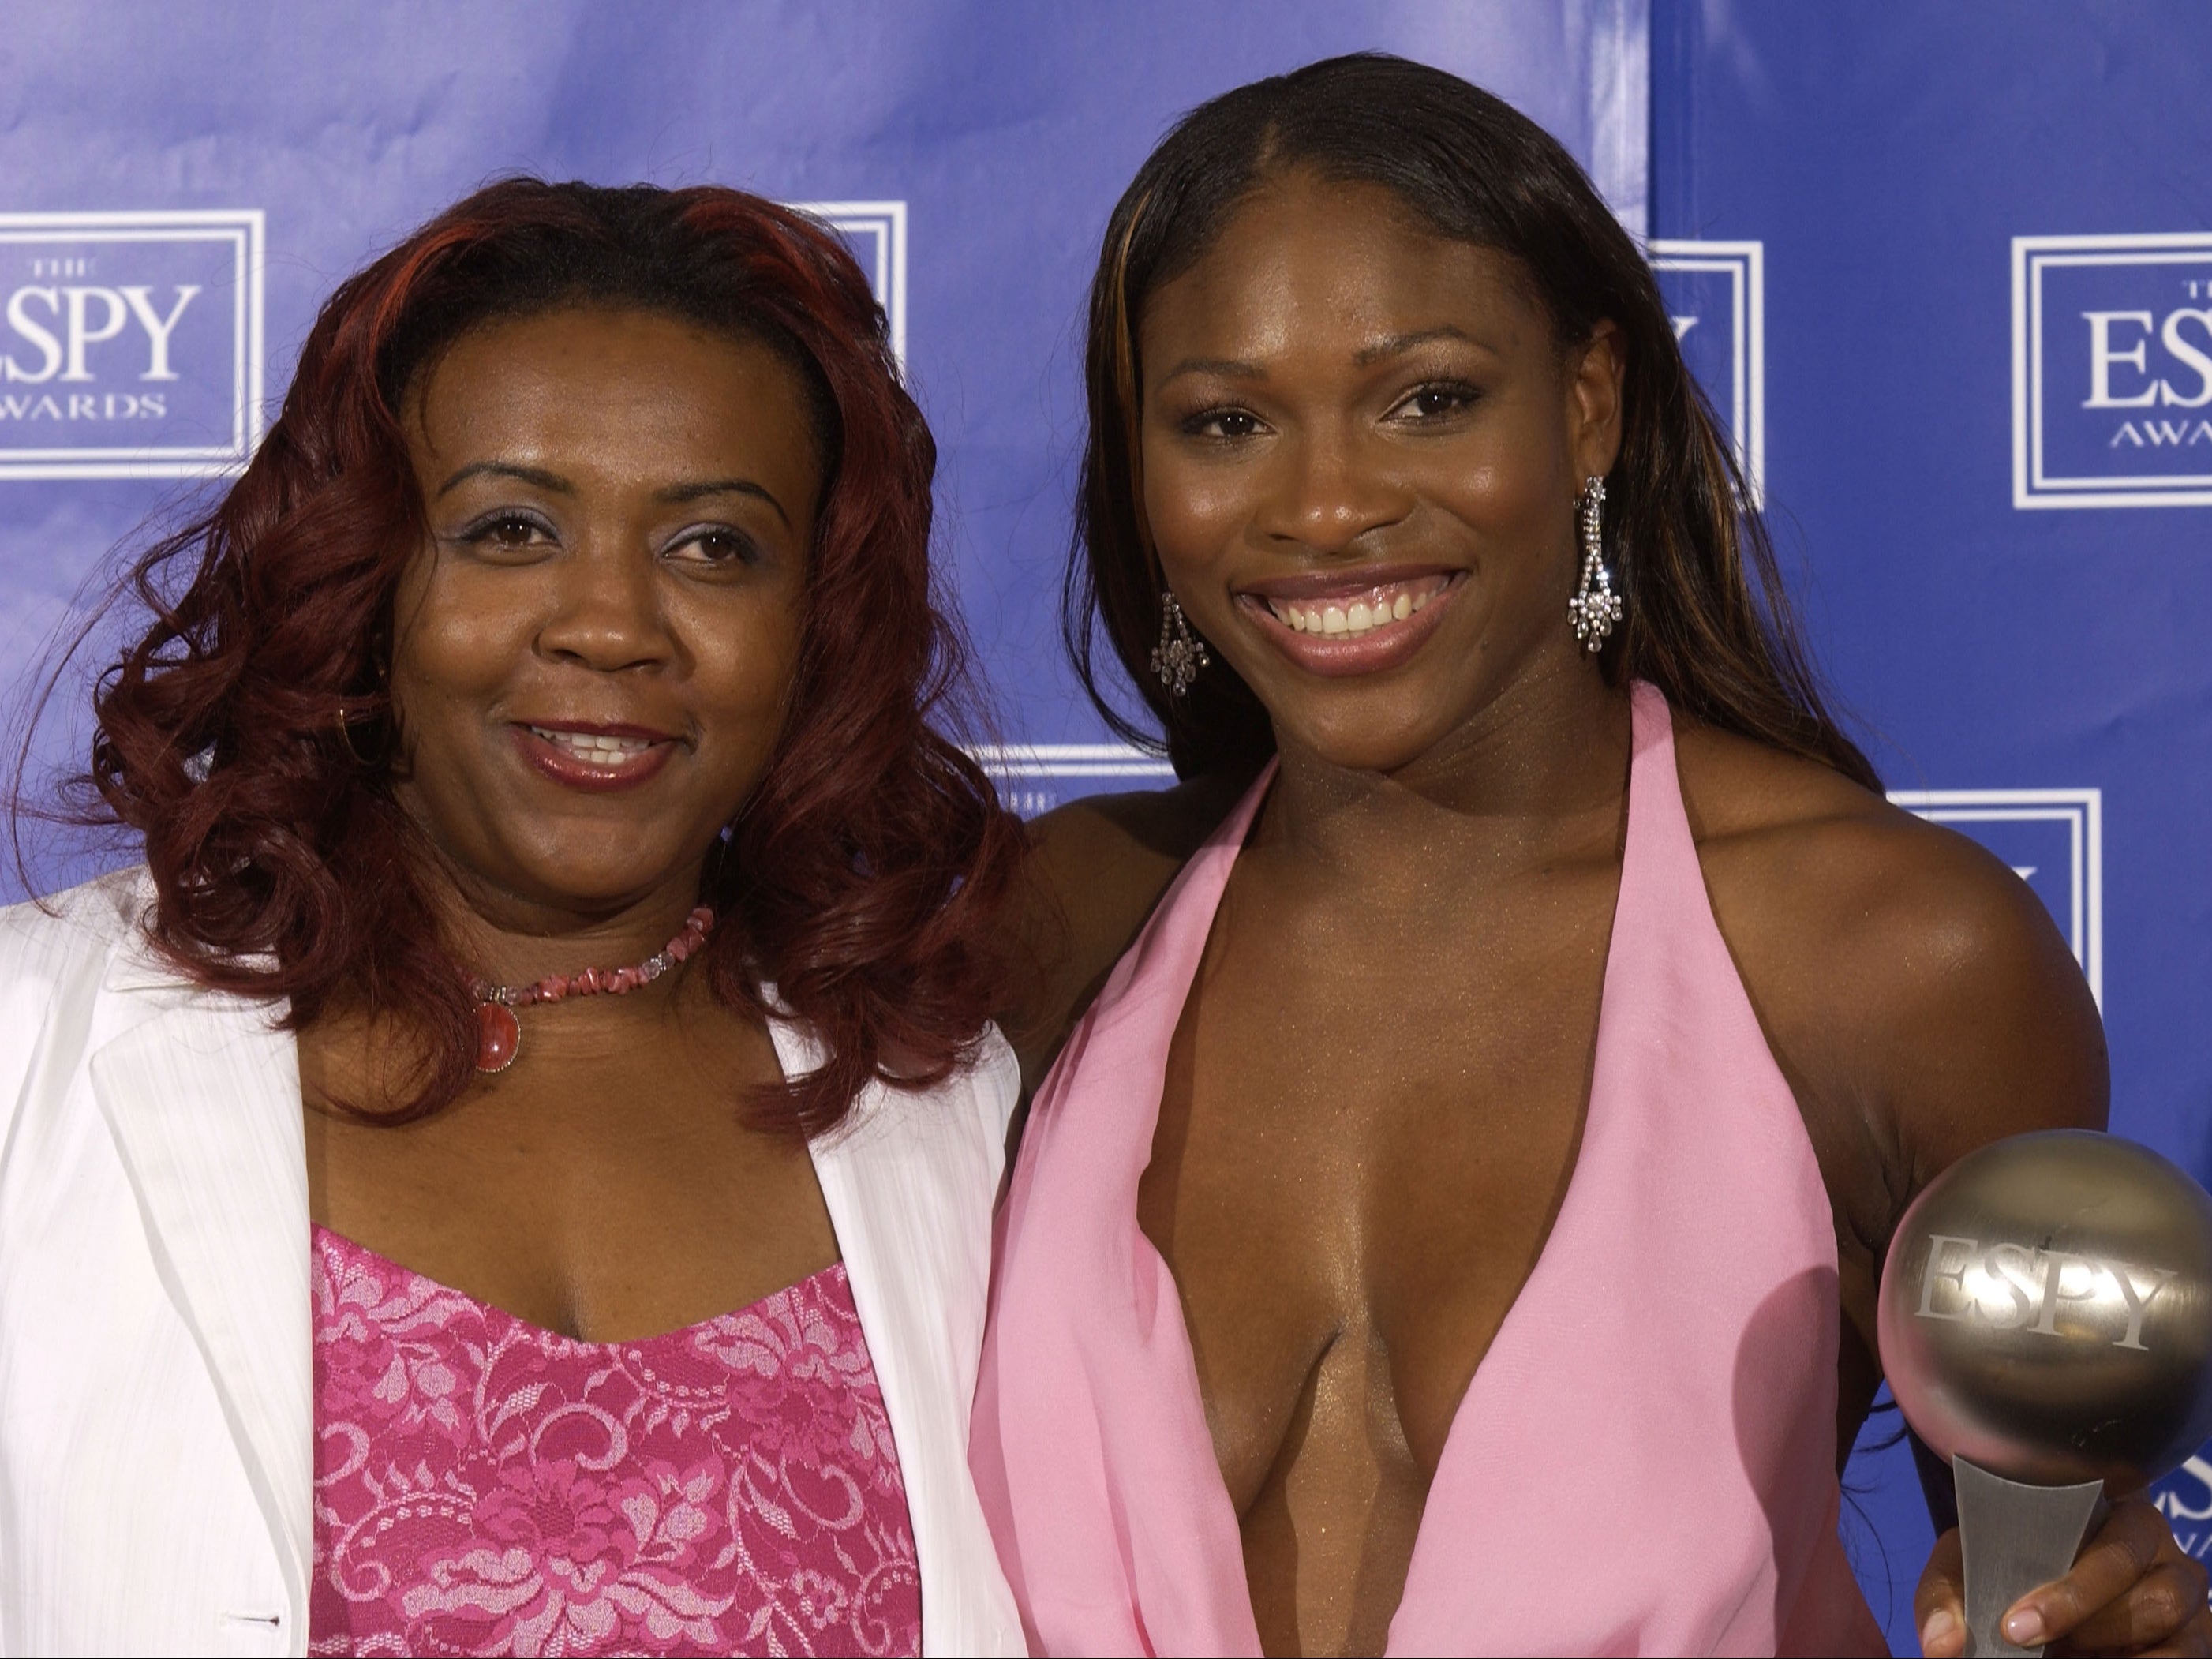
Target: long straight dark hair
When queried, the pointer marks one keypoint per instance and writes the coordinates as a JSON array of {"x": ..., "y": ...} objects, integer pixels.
[{"x": 1707, "y": 620}]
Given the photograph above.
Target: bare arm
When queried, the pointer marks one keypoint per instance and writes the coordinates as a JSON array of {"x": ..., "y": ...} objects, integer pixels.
[
  {"x": 1921, "y": 1004},
  {"x": 1095, "y": 868},
  {"x": 1914, "y": 990}
]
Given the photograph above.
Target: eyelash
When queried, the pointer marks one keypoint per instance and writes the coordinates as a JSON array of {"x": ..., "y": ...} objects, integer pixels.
[
  {"x": 483, "y": 530},
  {"x": 1463, "y": 394},
  {"x": 1193, "y": 426},
  {"x": 745, "y": 553}
]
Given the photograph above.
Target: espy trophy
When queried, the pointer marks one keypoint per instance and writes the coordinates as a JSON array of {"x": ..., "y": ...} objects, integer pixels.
[{"x": 2045, "y": 1321}]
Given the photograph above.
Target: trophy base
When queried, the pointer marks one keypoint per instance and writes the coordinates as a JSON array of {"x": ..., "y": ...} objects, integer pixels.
[{"x": 2014, "y": 1537}]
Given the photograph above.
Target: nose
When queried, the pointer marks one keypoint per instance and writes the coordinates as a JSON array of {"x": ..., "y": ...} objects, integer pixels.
[
  {"x": 606, "y": 612},
  {"x": 1327, "y": 491}
]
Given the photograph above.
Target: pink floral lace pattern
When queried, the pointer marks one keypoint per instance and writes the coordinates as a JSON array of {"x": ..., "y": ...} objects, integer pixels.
[{"x": 485, "y": 1486}]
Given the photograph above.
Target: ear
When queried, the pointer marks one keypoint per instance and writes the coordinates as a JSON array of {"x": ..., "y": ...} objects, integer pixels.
[{"x": 1595, "y": 370}]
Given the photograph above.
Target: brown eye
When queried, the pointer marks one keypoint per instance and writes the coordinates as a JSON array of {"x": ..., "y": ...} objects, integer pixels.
[
  {"x": 508, "y": 532},
  {"x": 1437, "y": 402},
  {"x": 718, "y": 547},
  {"x": 1223, "y": 424}
]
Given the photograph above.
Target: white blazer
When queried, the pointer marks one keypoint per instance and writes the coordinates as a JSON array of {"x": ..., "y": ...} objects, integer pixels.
[{"x": 156, "y": 1396}]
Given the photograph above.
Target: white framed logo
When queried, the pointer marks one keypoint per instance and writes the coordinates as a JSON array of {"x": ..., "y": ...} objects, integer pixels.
[
  {"x": 2111, "y": 371},
  {"x": 1716, "y": 294},
  {"x": 2185, "y": 1496},
  {"x": 1035, "y": 777},
  {"x": 876, "y": 232},
  {"x": 2054, "y": 840},
  {"x": 129, "y": 343}
]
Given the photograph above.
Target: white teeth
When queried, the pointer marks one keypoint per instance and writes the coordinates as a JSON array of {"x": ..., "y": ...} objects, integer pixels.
[
  {"x": 1392, "y": 602},
  {"x": 591, "y": 748}
]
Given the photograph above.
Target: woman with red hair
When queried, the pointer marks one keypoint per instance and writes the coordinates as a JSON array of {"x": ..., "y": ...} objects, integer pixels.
[{"x": 511, "y": 1171}]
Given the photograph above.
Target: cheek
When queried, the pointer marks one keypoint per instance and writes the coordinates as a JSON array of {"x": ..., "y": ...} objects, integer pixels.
[
  {"x": 1513, "y": 501},
  {"x": 745, "y": 658},
  {"x": 1196, "y": 512},
  {"x": 1512, "y": 477},
  {"x": 1193, "y": 499},
  {"x": 457, "y": 637}
]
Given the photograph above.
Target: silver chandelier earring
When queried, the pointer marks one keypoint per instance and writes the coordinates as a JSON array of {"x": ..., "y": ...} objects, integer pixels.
[
  {"x": 1594, "y": 611},
  {"x": 1181, "y": 653}
]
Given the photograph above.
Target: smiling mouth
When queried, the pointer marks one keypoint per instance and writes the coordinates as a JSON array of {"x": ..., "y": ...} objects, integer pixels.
[
  {"x": 1350, "y": 615},
  {"x": 593, "y": 748},
  {"x": 595, "y": 760}
]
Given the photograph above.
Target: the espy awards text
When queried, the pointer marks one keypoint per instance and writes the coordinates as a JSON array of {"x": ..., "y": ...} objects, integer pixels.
[
  {"x": 2011, "y": 1286},
  {"x": 57, "y": 334}
]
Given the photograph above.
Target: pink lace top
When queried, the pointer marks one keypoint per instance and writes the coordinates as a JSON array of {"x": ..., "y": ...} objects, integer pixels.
[{"x": 485, "y": 1486}]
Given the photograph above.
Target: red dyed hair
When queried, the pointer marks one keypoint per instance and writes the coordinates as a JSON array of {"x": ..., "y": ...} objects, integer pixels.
[{"x": 865, "y": 874}]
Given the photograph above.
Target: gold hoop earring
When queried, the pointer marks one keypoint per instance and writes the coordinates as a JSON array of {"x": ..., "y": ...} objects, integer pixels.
[{"x": 345, "y": 738}]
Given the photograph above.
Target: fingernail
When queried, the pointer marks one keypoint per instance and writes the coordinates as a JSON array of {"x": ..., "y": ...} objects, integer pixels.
[
  {"x": 1938, "y": 1630},
  {"x": 2024, "y": 1628}
]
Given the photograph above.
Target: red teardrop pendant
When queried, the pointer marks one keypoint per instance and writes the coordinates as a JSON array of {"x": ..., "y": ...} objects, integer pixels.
[{"x": 499, "y": 1036}]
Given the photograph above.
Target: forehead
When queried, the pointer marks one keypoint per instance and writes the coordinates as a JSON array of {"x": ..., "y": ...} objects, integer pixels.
[
  {"x": 613, "y": 384},
  {"x": 1307, "y": 262}
]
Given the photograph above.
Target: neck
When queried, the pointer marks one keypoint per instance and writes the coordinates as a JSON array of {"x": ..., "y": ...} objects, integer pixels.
[
  {"x": 1537, "y": 769},
  {"x": 505, "y": 938}
]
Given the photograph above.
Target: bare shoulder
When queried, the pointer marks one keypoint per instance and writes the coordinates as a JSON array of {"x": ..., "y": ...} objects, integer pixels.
[
  {"x": 1773, "y": 824},
  {"x": 1095, "y": 870},
  {"x": 1913, "y": 985}
]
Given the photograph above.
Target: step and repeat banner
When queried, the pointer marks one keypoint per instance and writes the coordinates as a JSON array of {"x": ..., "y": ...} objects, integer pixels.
[
  {"x": 174, "y": 204},
  {"x": 1951, "y": 288},
  {"x": 1952, "y": 276}
]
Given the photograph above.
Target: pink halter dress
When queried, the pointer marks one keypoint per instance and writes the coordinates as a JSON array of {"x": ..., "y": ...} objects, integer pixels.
[
  {"x": 1644, "y": 1462},
  {"x": 485, "y": 1486}
]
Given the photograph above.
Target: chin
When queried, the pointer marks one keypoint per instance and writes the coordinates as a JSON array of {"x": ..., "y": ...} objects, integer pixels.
[
  {"x": 588, "y": 880},
  {"x": 1368, "y": 725},
  {"x": 1364, "y": 745}
]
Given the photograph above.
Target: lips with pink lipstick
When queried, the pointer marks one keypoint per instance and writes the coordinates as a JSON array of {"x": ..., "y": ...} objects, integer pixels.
[
  {"x": 591, "y": 757},
  {"x": 1350, "y": 621}
]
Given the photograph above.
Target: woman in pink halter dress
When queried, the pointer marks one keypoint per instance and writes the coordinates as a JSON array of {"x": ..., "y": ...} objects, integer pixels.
[
  {"x": 1717, "y": 1525},
  {"x": 1452, "y": 1226}
]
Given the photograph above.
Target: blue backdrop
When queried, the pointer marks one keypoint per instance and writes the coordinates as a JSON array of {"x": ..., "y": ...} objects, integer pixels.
[
  {"x": 1984, "y": 254},
  {"x": 1951, "y": 284}
]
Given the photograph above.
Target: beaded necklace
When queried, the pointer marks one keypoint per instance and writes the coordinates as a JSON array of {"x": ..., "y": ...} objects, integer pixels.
[{"x": 499, "y": 1032}]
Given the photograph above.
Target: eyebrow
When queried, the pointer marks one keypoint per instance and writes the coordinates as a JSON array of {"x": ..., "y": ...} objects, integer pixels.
[
  {"x": 529, "y": 475},
  {"x": 1398, "y": 345},
  {"x": 1232, "y": 367},
  {"x": 558, "y": 485},
  {"x": 693, "y": 492}
]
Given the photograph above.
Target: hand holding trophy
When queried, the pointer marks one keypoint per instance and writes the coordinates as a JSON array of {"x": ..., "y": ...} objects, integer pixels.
[{"x": 2045, "y": 1323}]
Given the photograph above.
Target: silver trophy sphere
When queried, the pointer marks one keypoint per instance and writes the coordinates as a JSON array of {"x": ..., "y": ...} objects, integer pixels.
[
  {"x": 2045, "y": 1321},
  {"x": 2046, "y": 1311}
]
